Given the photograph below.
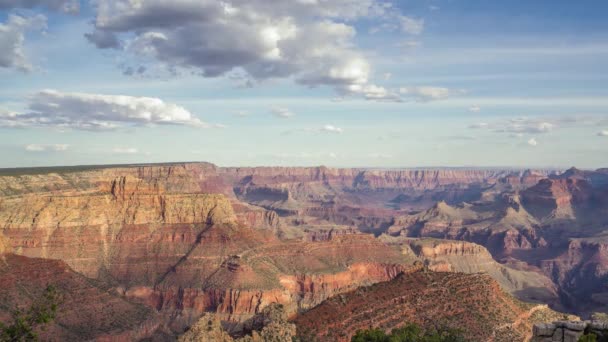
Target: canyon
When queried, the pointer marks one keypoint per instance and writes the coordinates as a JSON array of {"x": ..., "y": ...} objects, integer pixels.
[{"x": 171, "y": 243}]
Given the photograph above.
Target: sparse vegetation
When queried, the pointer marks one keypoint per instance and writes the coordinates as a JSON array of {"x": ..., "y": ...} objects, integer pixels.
[
  {"x": 600, "y": 316},
  {"x": 409, "y": 333},
  {"x": 588, "y": 338},
  {"x": 24, "y": 323}
]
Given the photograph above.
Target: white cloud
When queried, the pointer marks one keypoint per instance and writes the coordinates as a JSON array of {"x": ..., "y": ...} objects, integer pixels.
[
  {"x": 372, "y": 92},
  {"x": 46, "y": 147},
  {"x": 524, "y": 125},
  {"x": 603, "y": 133},
  {"x": 125, "y": 150},
  {"x": 532, "y": 142},
  {"x": 428, "y": 93},
  {"x": 519, "y": 126},
  {"x": 310, "y": 41},
  {"x": 282, "y": 112},
  {"x": 241, "y": 113},
  {"x": 51, "y": 108},
  {"x": 331, "y": 129},
  {"x": 474, "y": 109},
  {"x": 12, "y": 36},
  {"x": 411, "y": 25}
]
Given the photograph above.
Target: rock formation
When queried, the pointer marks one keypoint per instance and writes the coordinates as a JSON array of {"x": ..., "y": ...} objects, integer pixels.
[
  {"x": 269, "y": 325},
  {"x": 569, "y": 331},
  {"x": 472, "y": 303},
  {"x": 189, "y": 239},
  {"x": 466, "y": 257}
]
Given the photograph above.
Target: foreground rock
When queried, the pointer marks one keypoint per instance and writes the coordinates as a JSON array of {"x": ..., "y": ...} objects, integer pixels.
[
  {"x": 569, "y": 331},
  {"x": 269, "y": 325}
]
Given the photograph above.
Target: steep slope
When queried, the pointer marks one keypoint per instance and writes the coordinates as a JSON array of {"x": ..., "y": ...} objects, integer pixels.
[
  {"x": 473, "y": 303},
  {"x": 582, "y": 273},
  {"x": 85, "y": 310}
]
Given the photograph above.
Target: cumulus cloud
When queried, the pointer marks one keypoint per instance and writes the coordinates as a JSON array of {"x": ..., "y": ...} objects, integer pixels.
[
  {"x": 51, "y": 108},
  {"x": 372, "y": 92},
  {"x": 603, "y": 133},
  {"x": 103, "y": 39},
  {"x": 532, "y": 142},
  {"x": 474, "y": 109},
  {"x": 331, "y": 129},
  {"x": 67, "y": 6},
  {"x": 282, "y": 112},
  {"x": 46, "y": 147},
  {"x": 12, "y": 36},
  {"x": 310, "y": 41}
]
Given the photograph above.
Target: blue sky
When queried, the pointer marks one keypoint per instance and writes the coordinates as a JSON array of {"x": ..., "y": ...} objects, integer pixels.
[{"x": 334, "y": 82}]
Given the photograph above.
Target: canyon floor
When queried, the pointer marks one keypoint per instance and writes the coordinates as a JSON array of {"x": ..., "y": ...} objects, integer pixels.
[{"x": 147, "y": 251}]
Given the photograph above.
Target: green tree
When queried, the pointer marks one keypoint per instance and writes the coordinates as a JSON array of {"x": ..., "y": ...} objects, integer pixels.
[
  {"x": 410, "y": 333},
  {"x": 41, "y": 312}
]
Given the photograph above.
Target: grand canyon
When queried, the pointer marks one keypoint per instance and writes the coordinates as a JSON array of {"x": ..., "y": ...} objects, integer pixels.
[
  {"x": 303, "y": 171},
  {"x": 146, "y": 251}
]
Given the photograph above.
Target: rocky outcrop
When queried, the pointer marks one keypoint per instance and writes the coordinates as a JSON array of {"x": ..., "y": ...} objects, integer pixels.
[
  {"x": 473, "y": 303},
  {"x": 525, "y": 179},
  {"x": 582, "y": 272},
  {"x": 460, "y": 256},
  {"x": 207, "y": 329},
  {"x": 569, "y": 331},
  {"x": 503, "y": 226},
  {"x": 269, "y": 325},
  {"x": 556, "y": 198}
]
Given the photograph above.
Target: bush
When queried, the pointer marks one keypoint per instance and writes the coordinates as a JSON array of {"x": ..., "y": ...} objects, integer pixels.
[
  {"x": 41, "y": 312},
  {"x": 371, "y": 335},
  {"x": 588, "y": 338},
  {"x": 409, "y": 333}
]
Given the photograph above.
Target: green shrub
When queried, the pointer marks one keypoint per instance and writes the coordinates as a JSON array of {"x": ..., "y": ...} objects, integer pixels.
[
  {"x": 588, "y": 338},
  {"x": 41, "y": 312},
  {"x": 370, "y": 335},
  {"x": 409, "y": 333}
]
